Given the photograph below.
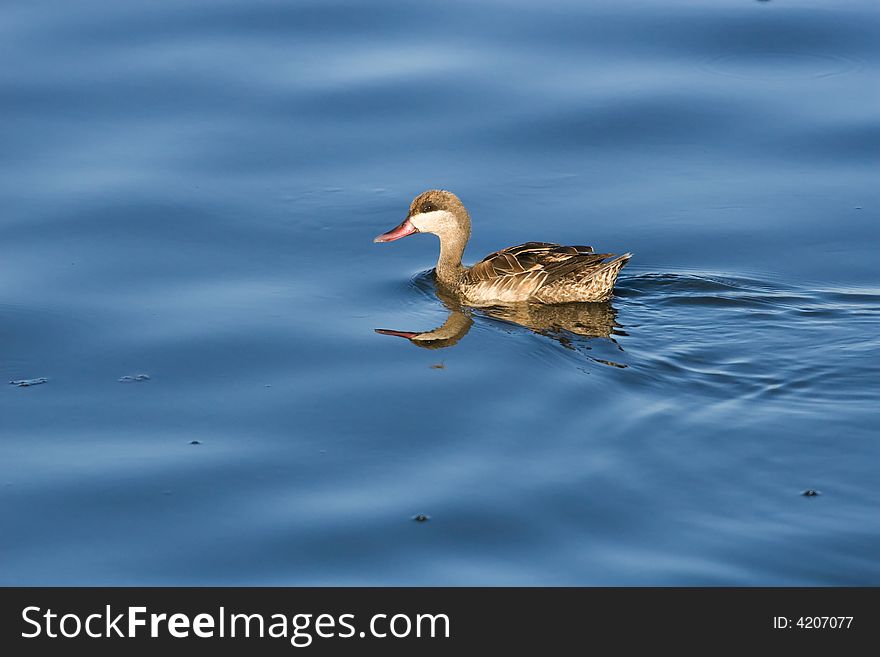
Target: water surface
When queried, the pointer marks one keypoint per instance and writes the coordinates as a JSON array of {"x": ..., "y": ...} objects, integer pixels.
[{"x": 190, "y": 190}]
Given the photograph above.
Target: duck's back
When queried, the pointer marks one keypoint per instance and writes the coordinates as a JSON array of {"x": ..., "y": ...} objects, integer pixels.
[{"x": 542, "y": 272}]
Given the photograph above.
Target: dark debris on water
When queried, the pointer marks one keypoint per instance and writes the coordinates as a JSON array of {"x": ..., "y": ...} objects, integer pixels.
[
  {"x": 24, "y": 383},
  {"x": 810, "y": 492},
  {"x": 420, "y": 517}
]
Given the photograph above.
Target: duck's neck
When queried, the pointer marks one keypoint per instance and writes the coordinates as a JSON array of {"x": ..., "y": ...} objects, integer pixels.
[
  {"x": 453, "y": 329},
  {"x": 449, "y": 267}
]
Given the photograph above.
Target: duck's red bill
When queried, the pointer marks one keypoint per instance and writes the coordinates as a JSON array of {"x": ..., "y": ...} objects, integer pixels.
[
  {"x": 400, "y": 334},
  {"x": 404, "y": 229}
]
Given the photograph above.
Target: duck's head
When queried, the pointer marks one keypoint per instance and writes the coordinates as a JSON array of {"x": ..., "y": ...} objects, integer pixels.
[{"x": 435, "y": 211}]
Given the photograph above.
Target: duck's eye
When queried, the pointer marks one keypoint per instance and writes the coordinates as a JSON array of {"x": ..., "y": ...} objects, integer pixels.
[{"x": 428, "y": 207}]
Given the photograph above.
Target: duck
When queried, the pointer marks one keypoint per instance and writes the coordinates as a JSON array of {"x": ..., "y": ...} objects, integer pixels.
[{"x": 534, "y": 272}]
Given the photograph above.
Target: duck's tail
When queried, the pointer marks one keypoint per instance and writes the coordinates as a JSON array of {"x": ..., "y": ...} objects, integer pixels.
[
  {"x": 606, "y": 276},
  {"x": 585, "y": 280}
]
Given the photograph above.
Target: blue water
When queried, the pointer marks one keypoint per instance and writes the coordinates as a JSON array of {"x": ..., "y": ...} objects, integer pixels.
[{"x": 190, "y": 191}]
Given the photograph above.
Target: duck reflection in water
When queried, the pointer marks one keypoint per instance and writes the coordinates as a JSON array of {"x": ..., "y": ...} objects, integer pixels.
[{"x": 564, "y": 323}]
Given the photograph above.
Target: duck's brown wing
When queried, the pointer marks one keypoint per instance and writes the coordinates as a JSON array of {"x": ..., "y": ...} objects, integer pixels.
[
  {"x": 545, "y": 250},
  {"x": 522, "y": 260},
  {"x": 532, "y": 260},
  {"x": 528, "y": 267}
]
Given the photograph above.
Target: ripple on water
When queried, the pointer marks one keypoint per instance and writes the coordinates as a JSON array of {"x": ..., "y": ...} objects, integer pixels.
[
  {"x": 748, "y": 339},
  {"x": 778, "y": 65},
  {"x": 723, "y": 337}
]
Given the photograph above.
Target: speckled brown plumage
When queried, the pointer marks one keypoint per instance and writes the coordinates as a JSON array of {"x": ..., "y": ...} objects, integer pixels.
[{"x": 542, "y": 272}]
